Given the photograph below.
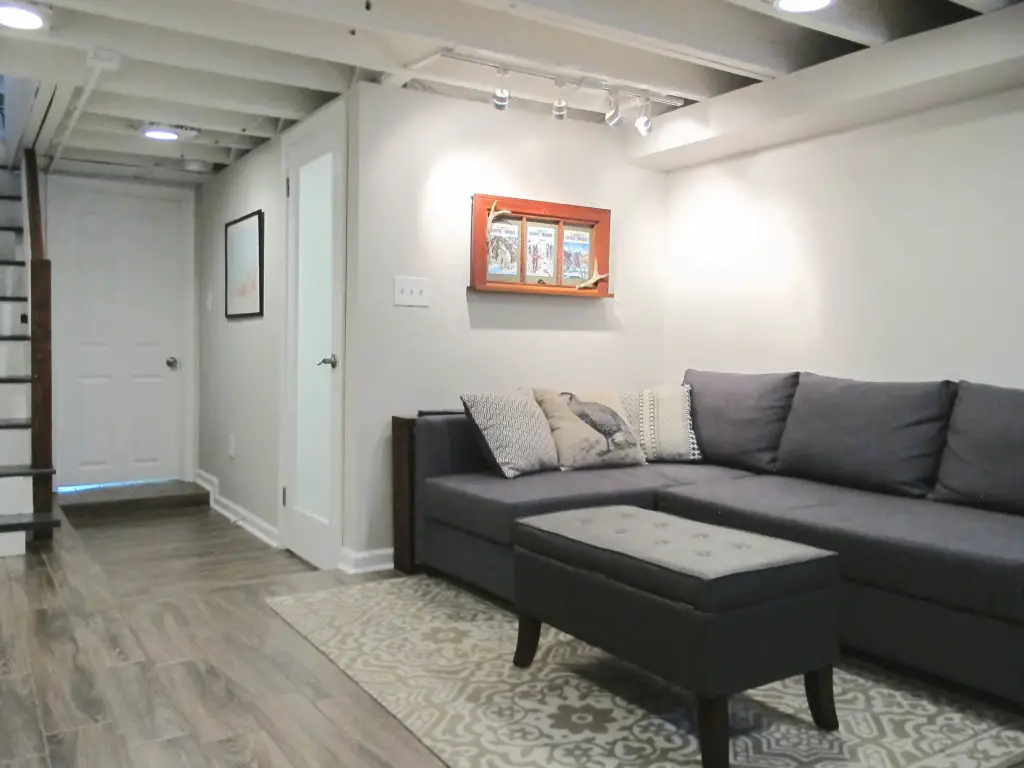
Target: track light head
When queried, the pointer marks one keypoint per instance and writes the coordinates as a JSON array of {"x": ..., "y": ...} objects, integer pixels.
[
  {"x": 613, "y": 114},
  {"x": 643, "y": 123},
  {"x": 502, "y": 95},
  {"x": 559, "y": 109}
]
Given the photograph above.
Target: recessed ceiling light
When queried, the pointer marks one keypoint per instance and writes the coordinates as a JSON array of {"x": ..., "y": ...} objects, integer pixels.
[
  {"x": 160, "y": 133},
  {"x": 26, "y": 16},
  {"x": 802, "y": 6}
]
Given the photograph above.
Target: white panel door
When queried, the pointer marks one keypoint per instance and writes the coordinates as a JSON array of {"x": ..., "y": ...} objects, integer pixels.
[
  {"x": 119, "y": 331},
  {"x": 311, "y": 520}
]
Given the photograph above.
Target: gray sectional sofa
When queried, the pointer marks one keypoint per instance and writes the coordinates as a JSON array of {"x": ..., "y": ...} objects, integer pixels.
[{"x": 919, "y": 488}]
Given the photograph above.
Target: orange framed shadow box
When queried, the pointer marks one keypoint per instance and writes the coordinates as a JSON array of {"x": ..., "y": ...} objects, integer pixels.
[{"x": 550, "y": 249}]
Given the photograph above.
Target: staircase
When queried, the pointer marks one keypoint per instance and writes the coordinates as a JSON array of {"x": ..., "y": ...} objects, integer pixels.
[{"x": 26, "y": 463}]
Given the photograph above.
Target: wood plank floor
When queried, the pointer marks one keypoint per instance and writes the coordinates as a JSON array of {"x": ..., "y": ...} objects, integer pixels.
[{"x": 146, "y": 642}]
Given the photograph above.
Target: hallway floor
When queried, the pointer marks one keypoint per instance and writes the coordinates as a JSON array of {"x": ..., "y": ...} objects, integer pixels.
[{"x": 146, "y": 642}]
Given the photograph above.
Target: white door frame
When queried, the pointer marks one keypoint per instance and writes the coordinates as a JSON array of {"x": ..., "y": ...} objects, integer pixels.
[
  {"x": 322, "y": 128},
  {"x": 189, "y": 357}
]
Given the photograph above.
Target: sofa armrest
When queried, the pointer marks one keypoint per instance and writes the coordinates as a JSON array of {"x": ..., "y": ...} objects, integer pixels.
[{"x": 443, "y": 445}]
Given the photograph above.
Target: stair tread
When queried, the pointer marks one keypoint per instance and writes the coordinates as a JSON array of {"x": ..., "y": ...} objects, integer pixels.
[
  {"x": 11, "y": 228},
  {"x": 24, "y": 470},
  {"x": 29, "y": 522},
  {"x": 13, "y": 298},
  {"x": 10, "y": 197},
  {"x": 15, "y": 424},
  {"x": 15, "y": 379},
  {"x": 11, "y": 263},
  {"x": 16, "y": 337}
]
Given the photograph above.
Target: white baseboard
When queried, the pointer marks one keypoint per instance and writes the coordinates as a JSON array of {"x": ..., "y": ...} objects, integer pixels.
[
  {"x": 12, "y": 544},
  {"x": 353, "y": 562},
  {"x": 236, "y": 513}
]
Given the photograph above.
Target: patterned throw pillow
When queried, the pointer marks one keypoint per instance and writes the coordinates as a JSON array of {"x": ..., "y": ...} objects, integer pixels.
[
  {"x": 514, "y": 431},
  {"x": 590, "y": 429},
  {"x": 661, "y": 420}
]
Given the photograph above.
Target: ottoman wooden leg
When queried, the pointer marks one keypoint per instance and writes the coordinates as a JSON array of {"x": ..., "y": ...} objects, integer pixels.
[
  {"x": 529, "y": 638},
  {"x": 820, "y": 699},
  {"x": 713, "y": 726}
]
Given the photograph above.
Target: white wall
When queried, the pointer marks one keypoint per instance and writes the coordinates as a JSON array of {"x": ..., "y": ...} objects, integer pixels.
[
  {"x": 419, "y": 158},
  {"x": 891, "y": 252},
  {"x": 241, "y": 361}
]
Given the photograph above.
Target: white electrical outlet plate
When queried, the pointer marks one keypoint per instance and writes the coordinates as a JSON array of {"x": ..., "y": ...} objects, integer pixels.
[{"x": 412, "y": 292}]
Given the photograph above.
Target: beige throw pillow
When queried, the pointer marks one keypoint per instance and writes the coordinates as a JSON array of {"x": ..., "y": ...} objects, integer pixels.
[
  {"x": 590, "y": 429},
  {"x": 661, "y": 420}
]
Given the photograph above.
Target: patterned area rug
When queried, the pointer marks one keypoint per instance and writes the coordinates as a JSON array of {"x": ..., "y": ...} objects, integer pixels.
[{"x": 440, "y": 660}]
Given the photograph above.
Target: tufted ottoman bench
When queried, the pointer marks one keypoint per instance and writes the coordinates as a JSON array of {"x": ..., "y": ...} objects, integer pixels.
[{"x": 714, "y": 610}]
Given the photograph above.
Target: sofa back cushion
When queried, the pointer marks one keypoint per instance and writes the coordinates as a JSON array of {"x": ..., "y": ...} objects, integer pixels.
[
  {"x": 874, "y": 435},
  {"x": 739, "y": 417},
  {"x": 982, "y": 463}
]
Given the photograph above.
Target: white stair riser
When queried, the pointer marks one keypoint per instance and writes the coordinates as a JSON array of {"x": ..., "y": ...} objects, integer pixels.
[
  {"x": 12, "y": 544},
  {"x": 10, "y": 213},
  {"x": 15, "y": 446},
  {"x": 14, "y": 282},
  {"x": 10, "y": 245},
  {"x": 10, "y": 324},
  {"x": 10, "y": 183},
  {"x": 14, "y": 357},
  {"x": 14, "y": 401},
  {"x": 15, "y": 496}
]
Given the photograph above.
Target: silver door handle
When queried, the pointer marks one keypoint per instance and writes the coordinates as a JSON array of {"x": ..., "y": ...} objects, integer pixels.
[
  {"x": 172, "y": 363},
  {"x": 331, "y": 361}
]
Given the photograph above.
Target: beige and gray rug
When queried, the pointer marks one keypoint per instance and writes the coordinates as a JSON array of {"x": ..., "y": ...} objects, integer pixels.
[{"x": 440, "y": 660}]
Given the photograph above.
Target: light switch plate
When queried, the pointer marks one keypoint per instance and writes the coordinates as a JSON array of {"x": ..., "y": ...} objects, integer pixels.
[{"x": 412, "y": 292}]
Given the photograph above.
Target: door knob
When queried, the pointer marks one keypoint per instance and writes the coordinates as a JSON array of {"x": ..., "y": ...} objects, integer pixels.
[
  {"x": 331, "y": 361},
  {"x": 172, "y": 363}
]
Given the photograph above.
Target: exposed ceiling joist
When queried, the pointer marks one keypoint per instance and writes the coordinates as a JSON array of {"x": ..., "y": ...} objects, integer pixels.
[
  {"x": 868, "y": 22},
  {"x": 139, "y": 78},
  {"x": 452, "y": 23},
  {"x": 152, "y": 110},
  {"x": 37, "y": 112},
  {"x": 233, "y": 22},
  {"x": 707, "y": 32},
  {"x": 162, "y": 46},
  {"x": 84, "y": 166},
  {"x": 118, "y": 126},
  {"x": 175, "y": 150}
]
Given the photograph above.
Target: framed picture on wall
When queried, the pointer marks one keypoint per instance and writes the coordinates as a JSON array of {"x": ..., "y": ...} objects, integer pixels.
[
  {"x": 243, "y": 266},
  {"x": 531, "y": 246}
]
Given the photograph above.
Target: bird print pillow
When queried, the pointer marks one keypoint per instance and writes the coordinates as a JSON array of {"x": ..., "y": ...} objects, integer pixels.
[{"x": 590, "y": 429}]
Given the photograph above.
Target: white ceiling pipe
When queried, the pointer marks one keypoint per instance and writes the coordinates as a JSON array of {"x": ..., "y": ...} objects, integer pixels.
[{"x": 100, "y": 61}]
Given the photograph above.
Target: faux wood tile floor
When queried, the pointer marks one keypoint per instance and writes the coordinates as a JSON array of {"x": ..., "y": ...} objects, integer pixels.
[{"x": 146, "y": 643}]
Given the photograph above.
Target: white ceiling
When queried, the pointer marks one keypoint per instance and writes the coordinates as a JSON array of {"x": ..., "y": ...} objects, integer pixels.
[{"x": 240, "y": 71}]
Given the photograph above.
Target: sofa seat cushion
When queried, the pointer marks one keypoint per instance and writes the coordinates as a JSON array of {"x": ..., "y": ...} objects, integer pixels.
[
  {"x": 877, "y": 436},
  {"x": 486, "y": 504},
  {"x": 953, "y": 555}
]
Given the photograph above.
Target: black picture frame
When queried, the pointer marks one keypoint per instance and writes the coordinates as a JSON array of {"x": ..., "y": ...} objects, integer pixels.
[{"x": 246, "y": 313}]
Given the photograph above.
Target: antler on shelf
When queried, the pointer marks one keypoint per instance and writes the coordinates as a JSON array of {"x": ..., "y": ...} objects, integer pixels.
[
  {"x": 592, "y": 282},
  {"x": 495, "y": 214}
]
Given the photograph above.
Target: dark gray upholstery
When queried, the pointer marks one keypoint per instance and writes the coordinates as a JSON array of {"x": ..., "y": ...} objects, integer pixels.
[
  {"x": 706, "y": 566},
  {"x": 983, "y": 464},
  {"x": 709, "y": 653},
  {"x": 738, "y": 417},
  {"x": 487, "y": 504},
  {"x": 875, "y": 435},
  {"x": 688, "y": 474},
  {"x": 957, "y": 556}
]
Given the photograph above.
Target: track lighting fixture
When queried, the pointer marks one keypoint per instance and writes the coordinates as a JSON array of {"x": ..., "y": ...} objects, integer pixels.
[
  {"x": 559, "y": 108},
  {"x": 643, "y": 123},
  {"x": 502, "y": 95},
  {"x": 613, "y": 114}
]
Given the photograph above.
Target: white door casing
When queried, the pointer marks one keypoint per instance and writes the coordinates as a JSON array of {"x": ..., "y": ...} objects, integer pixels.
[
  {"x": 123, "y": 307},
  {"x": 315, "y": 163}
]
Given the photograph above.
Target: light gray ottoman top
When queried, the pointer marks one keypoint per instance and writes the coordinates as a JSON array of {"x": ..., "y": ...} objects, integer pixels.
[{"x": 706, "y": 566}]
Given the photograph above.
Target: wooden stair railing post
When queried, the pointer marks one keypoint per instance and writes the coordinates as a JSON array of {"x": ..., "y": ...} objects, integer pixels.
[{"x": 41, "y": 346}]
